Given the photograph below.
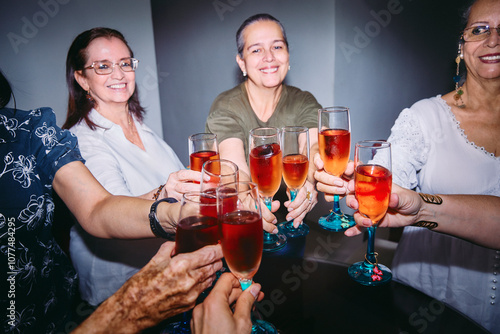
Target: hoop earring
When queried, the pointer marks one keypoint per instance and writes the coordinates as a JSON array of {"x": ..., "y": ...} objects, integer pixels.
[{"x": 459, "y": 102}]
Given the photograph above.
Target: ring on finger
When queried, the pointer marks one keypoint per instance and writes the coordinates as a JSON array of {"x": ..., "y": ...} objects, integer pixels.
[{"x": 309, "y": 196}]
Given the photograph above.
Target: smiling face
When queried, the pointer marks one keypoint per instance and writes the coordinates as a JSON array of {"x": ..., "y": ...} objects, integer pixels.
[
  {"x": 482, "y": 58},
  {"x": 265, "y": 54},
  {"x": 107, "y": 90}
]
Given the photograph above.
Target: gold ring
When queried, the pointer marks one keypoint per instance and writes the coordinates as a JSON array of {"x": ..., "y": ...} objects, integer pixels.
[{"x": 308, "y": 196}]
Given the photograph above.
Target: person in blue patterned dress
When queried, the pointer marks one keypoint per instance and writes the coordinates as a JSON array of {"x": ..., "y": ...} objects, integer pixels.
[{"x": 38, "y": 280}]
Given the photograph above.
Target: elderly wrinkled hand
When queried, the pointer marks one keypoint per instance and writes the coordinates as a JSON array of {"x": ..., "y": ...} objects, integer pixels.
[
  {"x": 163, "y": 288},
  {"x": 167, "y": 286}
]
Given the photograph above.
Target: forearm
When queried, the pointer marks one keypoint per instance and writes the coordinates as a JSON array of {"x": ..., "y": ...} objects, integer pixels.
[
  {"x": 110, "y": 317},
  {"x": 100, "y": 213},
  {"x": 472, "y": 217},
  {"x": 120, "y": 313},
  {"x": 119, "y": 217}
]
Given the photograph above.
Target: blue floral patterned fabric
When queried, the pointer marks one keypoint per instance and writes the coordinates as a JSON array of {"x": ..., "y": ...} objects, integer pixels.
[{"x": 38, "y": 280}]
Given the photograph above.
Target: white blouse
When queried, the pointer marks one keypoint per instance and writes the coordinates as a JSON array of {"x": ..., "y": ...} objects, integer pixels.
[
  {"x": 432, "y": 154},
  {"x": 103, "y": 265}
]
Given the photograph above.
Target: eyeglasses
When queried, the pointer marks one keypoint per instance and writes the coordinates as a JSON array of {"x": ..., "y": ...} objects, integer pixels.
[
  {"x": 106, "y": 67},
  {"x": 478, "y": 33}
]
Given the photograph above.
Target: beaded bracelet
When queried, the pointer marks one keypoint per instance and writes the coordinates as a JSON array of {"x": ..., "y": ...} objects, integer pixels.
[{"x": 157, "y": 193}]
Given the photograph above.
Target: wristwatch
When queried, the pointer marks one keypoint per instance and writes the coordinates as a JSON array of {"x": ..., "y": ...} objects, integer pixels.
[{"x": 155, "y": 223}]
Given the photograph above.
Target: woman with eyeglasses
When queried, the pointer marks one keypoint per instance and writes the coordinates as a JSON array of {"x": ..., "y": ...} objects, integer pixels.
[
  {"x": 122, "y": 153},
  {"x": 450, "y": 145}
]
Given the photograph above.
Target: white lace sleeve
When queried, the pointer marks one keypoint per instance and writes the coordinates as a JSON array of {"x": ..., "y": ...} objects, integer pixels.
[{"x": 409, "y": 149}]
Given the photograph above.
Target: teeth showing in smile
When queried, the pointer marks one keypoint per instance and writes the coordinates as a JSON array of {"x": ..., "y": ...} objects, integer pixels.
[
  {"x": 118, "y": 86},
  {"x": 269, "y": 70},
  {"x": 497, "y": 57}
]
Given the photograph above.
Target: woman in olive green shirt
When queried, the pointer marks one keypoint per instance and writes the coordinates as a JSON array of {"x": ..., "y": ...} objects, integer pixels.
[{"x": 264, "y": 101}]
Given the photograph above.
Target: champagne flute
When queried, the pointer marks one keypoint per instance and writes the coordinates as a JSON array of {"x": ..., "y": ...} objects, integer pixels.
[
  {"x": 241, "y": 236},
  {"x": 372, "y": 186},
  {"x": 295, "y": 146},
  {"x": 202, "y": 147},
  {"x": 334, "y": 147},
  {"x": 265, "y": 168},
  {"x": 195, "y": 229},
  {"x": 221, "y": 171}
]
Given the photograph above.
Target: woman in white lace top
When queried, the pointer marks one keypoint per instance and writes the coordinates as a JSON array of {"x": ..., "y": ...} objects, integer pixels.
[{"x": 451, "y": 145}]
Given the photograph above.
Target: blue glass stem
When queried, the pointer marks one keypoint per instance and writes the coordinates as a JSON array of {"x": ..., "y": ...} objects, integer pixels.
[
  {"x": 370, "y": 251},
  {"x": 293, "y": 194},
  {"x": 336, "y": 205},
  {"x": 268, "y": 202}
]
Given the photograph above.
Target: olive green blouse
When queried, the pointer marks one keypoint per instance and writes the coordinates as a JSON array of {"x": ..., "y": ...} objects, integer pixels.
[{"x": 231, "y": 115}]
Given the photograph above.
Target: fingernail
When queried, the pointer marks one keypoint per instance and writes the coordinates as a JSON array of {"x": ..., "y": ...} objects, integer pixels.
[
  {"x": 275, "y": 231},
  {"x": 254, "y": 290}
]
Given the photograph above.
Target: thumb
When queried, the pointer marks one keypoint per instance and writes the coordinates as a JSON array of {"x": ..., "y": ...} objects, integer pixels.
[{"x": 245, "y": 303}]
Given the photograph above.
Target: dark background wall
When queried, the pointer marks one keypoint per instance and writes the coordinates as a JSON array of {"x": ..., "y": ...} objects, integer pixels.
[{"x": 376, "y": 57}]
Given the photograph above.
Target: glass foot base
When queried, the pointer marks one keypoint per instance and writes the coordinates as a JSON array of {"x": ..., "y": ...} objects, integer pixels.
[
  {"x": 263, "y": 327},
  {"x": 274, "y": 242},
  {"x": 336, "y": 223},
  {"x": 369, "y": 275},
  {"x": 292, "y": 232}
]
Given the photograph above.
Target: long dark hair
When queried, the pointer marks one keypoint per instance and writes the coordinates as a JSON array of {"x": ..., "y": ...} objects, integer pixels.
[
  {"x": 240, "y": 43},
  {"x": 5, "y": 91},
  {"x": 79, "y": 105}
]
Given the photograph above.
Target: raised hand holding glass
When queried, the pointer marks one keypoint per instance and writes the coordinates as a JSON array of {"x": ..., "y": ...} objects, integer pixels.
[
  {"x": 265, "y": 159},
  {"x": 295, "y": 146},
  {"x": 241, "y": 236},
  {"x": 334, "y": 141},
  {"x": 373, "y": 185}
]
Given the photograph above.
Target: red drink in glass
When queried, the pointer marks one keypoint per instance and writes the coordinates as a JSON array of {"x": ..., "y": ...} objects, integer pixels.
[
  {"x": 242, "y": 241},
  {"x": 197, "y": 159},
  {"x": 335, "y": 148},
  {"x": 295, "y": 168},
  {"x": 266, "y": 167},
  {"x": 209, "y": 196},
  {"x": 195, "y": 232},
  {"x": 373, "y": 184}
]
